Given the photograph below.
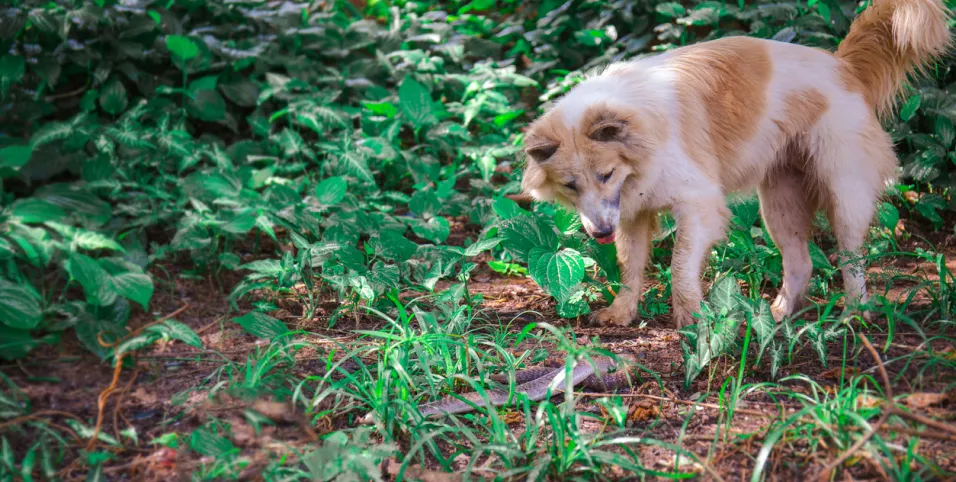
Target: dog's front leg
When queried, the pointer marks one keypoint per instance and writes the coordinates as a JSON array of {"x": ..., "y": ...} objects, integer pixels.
[
  {"x": 633, "y": 248},
  {"x": 700, "y": 224}
]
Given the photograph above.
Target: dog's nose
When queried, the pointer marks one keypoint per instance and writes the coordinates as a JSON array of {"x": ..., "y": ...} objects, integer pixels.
[{"x": 603, "y": 233}]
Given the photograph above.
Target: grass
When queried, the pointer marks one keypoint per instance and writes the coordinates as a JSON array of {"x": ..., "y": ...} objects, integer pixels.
[{"x": 248, "y": 240}]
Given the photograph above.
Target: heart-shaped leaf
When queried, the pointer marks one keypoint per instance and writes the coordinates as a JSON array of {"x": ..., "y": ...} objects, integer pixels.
[
  {"x": 415, "y": 101},
  {"x": 331, "y": 191}
]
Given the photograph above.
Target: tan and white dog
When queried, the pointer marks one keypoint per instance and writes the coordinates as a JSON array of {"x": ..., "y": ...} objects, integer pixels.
[{"x": 682, "y": 129}]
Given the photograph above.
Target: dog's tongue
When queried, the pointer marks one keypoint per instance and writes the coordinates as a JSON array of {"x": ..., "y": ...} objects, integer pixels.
[{"x": 606, "y": 240}]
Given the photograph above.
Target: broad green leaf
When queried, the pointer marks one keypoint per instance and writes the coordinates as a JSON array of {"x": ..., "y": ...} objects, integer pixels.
[
  {"x": 207, "y": 105},
  {"x": 425, "y": 203},
  {"x": 818, "y": 257},
  {"x": 353, "y": 163},
  {"x": 331, "y": 191},
  {"x": 262, "y": 325},
  {"x": 208, "y": 82},
  {"x": 33, "y": 210},
  {"x": 763, "y": 326},
  {"x": 945, "y": 131},
  {"x": 241, "y": 223},
  {"x": 523, "y": 233},
  {"x": 12, "y": 68},
  {"x": 889, "y": 216},
  {"x": 435, "y": 229},
  {"x": 177, "y": 331},
  {"x": 671, "y": 9},
  {"x": 725, "y": 294},
  {"x": 15, "y": 156},
  {"x": 415, "y": 101},
  {"x": 393, "y": 247},
  {"x": 15, "y": 344},
  {"x": 93, "y": 241},
  {"x": 507, "y": 208},
  {"x": 134, "y": 286},
  {"x": 19, "y": 307},
  {"x": 181, "y": 46},
  {"x": 113, "y": 99},
  {"x": 558, "y": 273},
  {"x": 909, "y": 108},
  {"x": 93, "y": 278},
  {"x": 481, "y": 246}
]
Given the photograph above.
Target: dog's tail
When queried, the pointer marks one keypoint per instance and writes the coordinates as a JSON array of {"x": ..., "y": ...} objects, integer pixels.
[{"x": 891, "y": 40}]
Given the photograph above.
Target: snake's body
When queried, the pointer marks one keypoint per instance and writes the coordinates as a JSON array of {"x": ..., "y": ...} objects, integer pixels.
[{"x": 534, "y": 383}]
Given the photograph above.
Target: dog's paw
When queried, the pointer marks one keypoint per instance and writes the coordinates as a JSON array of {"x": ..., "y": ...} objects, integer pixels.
[
  {"x": 612, "y": 316},
  {"x": 780, "y": 309}
]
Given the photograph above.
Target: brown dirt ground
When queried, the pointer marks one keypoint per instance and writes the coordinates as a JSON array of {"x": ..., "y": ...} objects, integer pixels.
[{"x": 157, "y": 392}]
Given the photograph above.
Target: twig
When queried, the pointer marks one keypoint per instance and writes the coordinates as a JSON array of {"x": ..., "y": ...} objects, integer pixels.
[
  {"x": 104, "y": 396},
  {"x": 888, "y": 392},
  {"x": 117, "y": 370}
]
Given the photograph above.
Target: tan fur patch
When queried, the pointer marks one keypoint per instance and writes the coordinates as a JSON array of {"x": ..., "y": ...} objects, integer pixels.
[
  {"x": 579, "y": 157},
  {"x": 722, "y": 90},
  {"x": 803, "y": 110}
]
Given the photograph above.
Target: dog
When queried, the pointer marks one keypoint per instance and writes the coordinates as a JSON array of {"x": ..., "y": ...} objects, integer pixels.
[{"x": 680, "y": 130}]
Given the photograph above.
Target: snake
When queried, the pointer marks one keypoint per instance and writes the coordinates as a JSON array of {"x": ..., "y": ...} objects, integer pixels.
[{"x": 536, "y": 383}]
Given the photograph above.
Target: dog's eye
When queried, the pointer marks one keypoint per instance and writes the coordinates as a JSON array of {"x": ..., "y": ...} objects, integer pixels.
[
  {"x": 606, "y": 133},
  {"x": 572, "y": 186},
  {"x": 543, "y": 153},
  {"x": 603, "y": 178}
]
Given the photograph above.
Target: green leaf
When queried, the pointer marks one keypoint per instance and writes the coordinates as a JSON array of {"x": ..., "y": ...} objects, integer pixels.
[
  {"x": 909, "y": 108},
  {"x": 435, "y": 229},
  {"x": 209, "y": 444},
  {"x": 262, "y": 325},
  {"x": 16, "y": 343},
  {"x": 331, "y": 191},
  {"x": 113, "y": 99},
  {"x": 93, "y": 278},
  {"x": 393, "y": 246},
  {"x": 725, "y": 294},
  {"x": 671, "y": 9},
  {"x": 242, "y": 222},
  {"x": 523, "y": 233},
  {"x": 15, "y": 157},
  {"x": 415, "y": 101},
  {"x": 32, "y": 210},
  {"x": 175, "y": 330},
  {"x": 12, "y": 69},
  {"x": 182, "y": 47},
  {"x": 19, "y": 307},
  {"x": 481, "y": 246},
  {"x": 818, "y": 257},
  {"x": 763, "y": 326},
  {"x": 558, "y": 273},
  {"x": 945, "y": 131},
  {"x": 889, "y": 216},
  {"x": 425, "y": 203},
  {"x": 134, "y": 286},
  {"x": 207, "y": 105}
]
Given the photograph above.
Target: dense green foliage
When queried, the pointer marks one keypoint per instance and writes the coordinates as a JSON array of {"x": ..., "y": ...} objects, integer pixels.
[{"x": 320, "y": 148}]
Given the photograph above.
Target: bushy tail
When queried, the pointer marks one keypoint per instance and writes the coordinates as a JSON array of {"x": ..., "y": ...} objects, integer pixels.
[{"x": 890, "y": 40}]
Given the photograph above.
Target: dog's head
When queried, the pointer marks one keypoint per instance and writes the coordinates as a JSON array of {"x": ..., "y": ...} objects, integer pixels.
[{"x": 581, "y": 152}]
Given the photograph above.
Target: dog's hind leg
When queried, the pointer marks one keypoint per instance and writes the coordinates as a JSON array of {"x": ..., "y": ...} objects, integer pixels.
[
  {"x": 854, "y": 168},
  {"x": 787, "y": 207}
]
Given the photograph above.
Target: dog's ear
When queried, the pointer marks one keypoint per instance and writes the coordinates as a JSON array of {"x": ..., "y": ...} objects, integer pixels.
[{"x": 541, "y": 152}]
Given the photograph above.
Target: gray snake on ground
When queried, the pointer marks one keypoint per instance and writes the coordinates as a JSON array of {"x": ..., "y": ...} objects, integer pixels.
[{"x": 534, "y": 383}]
